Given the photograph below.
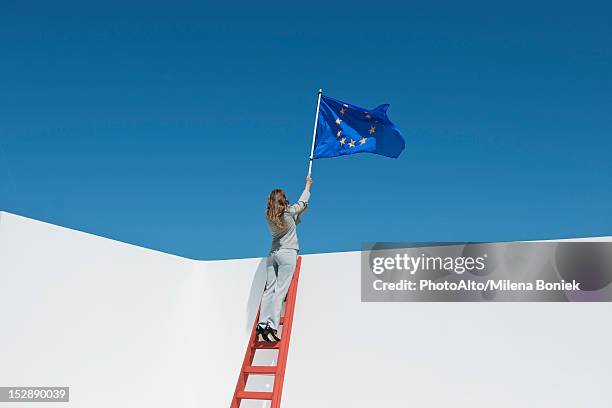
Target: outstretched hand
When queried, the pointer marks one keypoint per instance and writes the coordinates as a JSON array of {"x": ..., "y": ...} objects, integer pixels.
[{"x": 308, "y": 182}]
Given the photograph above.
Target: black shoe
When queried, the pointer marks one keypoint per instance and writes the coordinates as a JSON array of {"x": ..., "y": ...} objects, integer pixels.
[
  {"x": 263, "y": 332},
  {"x": 271, "y": 332}
]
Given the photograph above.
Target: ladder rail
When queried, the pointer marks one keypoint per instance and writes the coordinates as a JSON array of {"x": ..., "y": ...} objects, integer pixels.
[
  {"x": 283, "y": 351},
  {"x": 246, "y": 362}
]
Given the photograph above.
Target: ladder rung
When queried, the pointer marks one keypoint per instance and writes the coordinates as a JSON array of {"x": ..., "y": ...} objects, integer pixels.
[
  {"x": 254, "y": 395},
  {"x": 282, "y": 320},
  {"x": 266, "y": 345},
  {"x": 260, "y": 369}
]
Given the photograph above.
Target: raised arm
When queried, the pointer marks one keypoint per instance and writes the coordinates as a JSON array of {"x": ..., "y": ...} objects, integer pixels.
[{"x": 297, "y": 209}]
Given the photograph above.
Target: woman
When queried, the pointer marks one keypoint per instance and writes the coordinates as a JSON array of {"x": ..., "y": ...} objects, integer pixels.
[{"x": 280, "y": 265}]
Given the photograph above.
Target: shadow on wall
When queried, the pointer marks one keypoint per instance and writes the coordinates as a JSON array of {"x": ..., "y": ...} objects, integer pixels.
[{"x": 257, "y": 288}]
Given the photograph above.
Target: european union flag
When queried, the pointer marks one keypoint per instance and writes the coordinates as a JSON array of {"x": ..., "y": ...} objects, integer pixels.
[{"x": 343, "y": 128}]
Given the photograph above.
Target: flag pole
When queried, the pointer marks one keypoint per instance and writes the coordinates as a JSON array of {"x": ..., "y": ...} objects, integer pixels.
[{"x": 314, "y": 132}]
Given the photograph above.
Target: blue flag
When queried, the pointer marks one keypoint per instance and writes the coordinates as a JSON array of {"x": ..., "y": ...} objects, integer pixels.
[{"x": 343, "y": 128}]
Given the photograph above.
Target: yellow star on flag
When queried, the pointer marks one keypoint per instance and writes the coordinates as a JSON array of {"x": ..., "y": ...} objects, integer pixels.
[
  {"x": 338, "y": 120},
  {"x": 367, "y": 115},
  {"x": 342, "y": 140},
  {"x": 372, "y": 129},
  {"x": 352, "y": 143},
  {"x": 339, "y": 133},
  {"x": 362, "y": 141},
  {"x": 342, "y": 111}
]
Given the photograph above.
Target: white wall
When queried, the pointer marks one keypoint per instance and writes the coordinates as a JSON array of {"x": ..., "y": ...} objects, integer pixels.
[
  {"x": 129, "y": 327},
  {"x": 121, "y": 325},
  {"x": 351, "y": 354}
]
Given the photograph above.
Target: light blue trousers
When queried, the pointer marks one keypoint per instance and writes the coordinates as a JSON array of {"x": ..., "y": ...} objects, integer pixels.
[{"x": 280, "y": 266}]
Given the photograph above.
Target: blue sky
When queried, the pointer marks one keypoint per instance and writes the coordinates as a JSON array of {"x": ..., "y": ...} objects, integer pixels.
[{"x": 166, "y": 125}]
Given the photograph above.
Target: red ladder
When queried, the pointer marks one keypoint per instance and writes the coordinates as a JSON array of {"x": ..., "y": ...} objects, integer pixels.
[{"x": 283, "y": 349}]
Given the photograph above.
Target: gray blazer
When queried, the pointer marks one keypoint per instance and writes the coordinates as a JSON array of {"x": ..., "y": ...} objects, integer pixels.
[{"x": 286, "y": 238}]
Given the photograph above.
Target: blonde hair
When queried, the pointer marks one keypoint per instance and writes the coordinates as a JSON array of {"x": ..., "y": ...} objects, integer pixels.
[{"x": 277, "y": 204}]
